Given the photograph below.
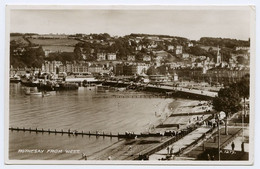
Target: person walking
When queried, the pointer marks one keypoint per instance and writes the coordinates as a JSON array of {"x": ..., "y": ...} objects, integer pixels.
[
  {"x": 243, "y": 146},
  {"x": 208, "y": 156},
  {"x": 233, "y": 146},
  {"x": 171, "y": 150},
  {"x": 168, "y": 149}
]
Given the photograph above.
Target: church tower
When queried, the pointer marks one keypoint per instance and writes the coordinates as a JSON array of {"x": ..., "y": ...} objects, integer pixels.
[{"x": 218, "y": 57}]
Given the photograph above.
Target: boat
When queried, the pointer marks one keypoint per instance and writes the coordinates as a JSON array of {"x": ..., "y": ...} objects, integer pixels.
[
  {"x": 29, "y": 82},
  {"x": 121, "y": 89},
  {"x": 45, "y": 94},
  {"x": 33, "y": 93},
  {"x": 15, "y": 79}
]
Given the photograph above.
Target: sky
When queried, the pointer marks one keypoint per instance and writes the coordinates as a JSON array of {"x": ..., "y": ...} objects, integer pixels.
[{"x": 192, "y": 24}]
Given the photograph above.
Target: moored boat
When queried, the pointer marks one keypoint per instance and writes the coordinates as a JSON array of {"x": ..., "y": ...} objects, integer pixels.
[
  {"x": 33, "y": 93},
  {"x": 15, "y": 79}
]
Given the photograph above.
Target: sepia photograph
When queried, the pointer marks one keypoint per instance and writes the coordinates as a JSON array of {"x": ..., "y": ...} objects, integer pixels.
[{"x": 129, "y": 85}]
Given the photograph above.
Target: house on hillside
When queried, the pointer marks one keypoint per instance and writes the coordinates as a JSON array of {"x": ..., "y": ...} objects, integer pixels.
[
  {"x": 111, "y": 56},
  {"x": 185, "y": 55},
  {"x": 170, "y": 47},
  {"x": 178, "y": 50},
  {"x": 101, "y": 56},
  {"x": 147, "y": 58},
  {"x": 131, "y": 58}
]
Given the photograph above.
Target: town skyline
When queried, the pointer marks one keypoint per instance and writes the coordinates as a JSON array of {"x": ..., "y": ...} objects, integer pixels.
[
  {"x": 192, "y": 24},
  {"x": 127, "y": 35}
]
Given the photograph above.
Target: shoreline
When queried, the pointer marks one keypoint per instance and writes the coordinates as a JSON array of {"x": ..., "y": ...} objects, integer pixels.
[{"x": 122, "y": 146}]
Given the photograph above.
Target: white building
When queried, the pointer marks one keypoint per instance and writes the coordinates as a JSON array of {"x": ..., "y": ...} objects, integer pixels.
[
  {"x": 243, "y": 48},
  {"x": 178, "y": 49},
  {"x": 185, "y": 55},
  {"x": 111, "y": 56},
  {"x": 170, "y": 47},
  {"x": 190, "y": 44},
  {"x": 141, "y": 69},
  {"x": 147, "y": 58}
]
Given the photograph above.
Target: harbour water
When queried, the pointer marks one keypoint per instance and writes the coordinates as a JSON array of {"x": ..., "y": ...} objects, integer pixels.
[{"x": 81, "y": 109}]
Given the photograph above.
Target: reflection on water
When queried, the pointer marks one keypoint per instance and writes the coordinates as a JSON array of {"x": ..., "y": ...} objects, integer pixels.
[{"x": 81, "y": 110}]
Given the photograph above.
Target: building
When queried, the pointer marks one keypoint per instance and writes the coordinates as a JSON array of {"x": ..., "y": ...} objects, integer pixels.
[
  {"x": 101, "y": 56},
  {"x": 131, "y": 58},
  {"x": 158, "y": 60},
  {"x": 95, "y": 69},
  {"x": 51, "y": 66},
  {"x": 47, "y": 52},
  {"x": 219, "y": 59},
  {"x": 141, "y": 69},
  {"x": 178, "y": 50},
  {"x": 175, "y": 77},
  {"x": 153, "y": 37},
  {"x": 18, "y": 51},
  {"x": 185, "y": 55},
  {"x": 190, "y": 44},
  {"x": 129, "y": 70},
  {"x": 243, "y": 48},
  {"x": 147, "y": 58},
  {"x": 170, "y": 47},
  {"x": 139, "y": 47},
  {"x": 221, "y": 75},
  {"x": 217, "y": 75},
  {"x": 159, "y": 78},
  {"x": 118, "y": 69},
  {"x": 111, "y": 56},
  {"x": 70, "y": 67}
]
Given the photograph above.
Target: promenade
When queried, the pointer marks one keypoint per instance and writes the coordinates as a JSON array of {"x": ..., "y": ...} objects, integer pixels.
[
  {"x": 210, "y": 145},
  {"x": 180, "y": 144}
]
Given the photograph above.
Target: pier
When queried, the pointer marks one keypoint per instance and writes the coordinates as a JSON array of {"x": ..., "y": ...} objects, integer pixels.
[
  {"x": 167, "y": 90},
  {"x": 132, "y": 96}
]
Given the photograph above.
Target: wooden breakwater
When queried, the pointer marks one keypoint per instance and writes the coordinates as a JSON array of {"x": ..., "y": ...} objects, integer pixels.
[
  {"x": 68, "y": 132},
  {"x": 193, "y": 114},
  {"x": 82, "y": 133}
]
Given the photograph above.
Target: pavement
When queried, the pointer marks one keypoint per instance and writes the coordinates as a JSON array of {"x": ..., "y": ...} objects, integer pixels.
[
  {"x": 238, "y": 141},
  {"x": 182, "y": 143},
  {"x": 212, "y": 143}
]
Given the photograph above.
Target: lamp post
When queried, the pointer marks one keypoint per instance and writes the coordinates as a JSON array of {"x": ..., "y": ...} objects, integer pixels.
[
  {"x": 218, "y": 138},
  {"x": 221, "y": 115}
]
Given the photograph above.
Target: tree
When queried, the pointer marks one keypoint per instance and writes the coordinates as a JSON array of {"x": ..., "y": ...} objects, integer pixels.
[
  {"x": 241, "y": 60},
  {"x": 162, "y": 70},
  {"x": 243, "y": 88},
  {"x": 77, "y": 52},
  {"x": 197, "y": 51},
  {"x": 152, "y": 71},
  {"x": 228, "y": 101}
]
